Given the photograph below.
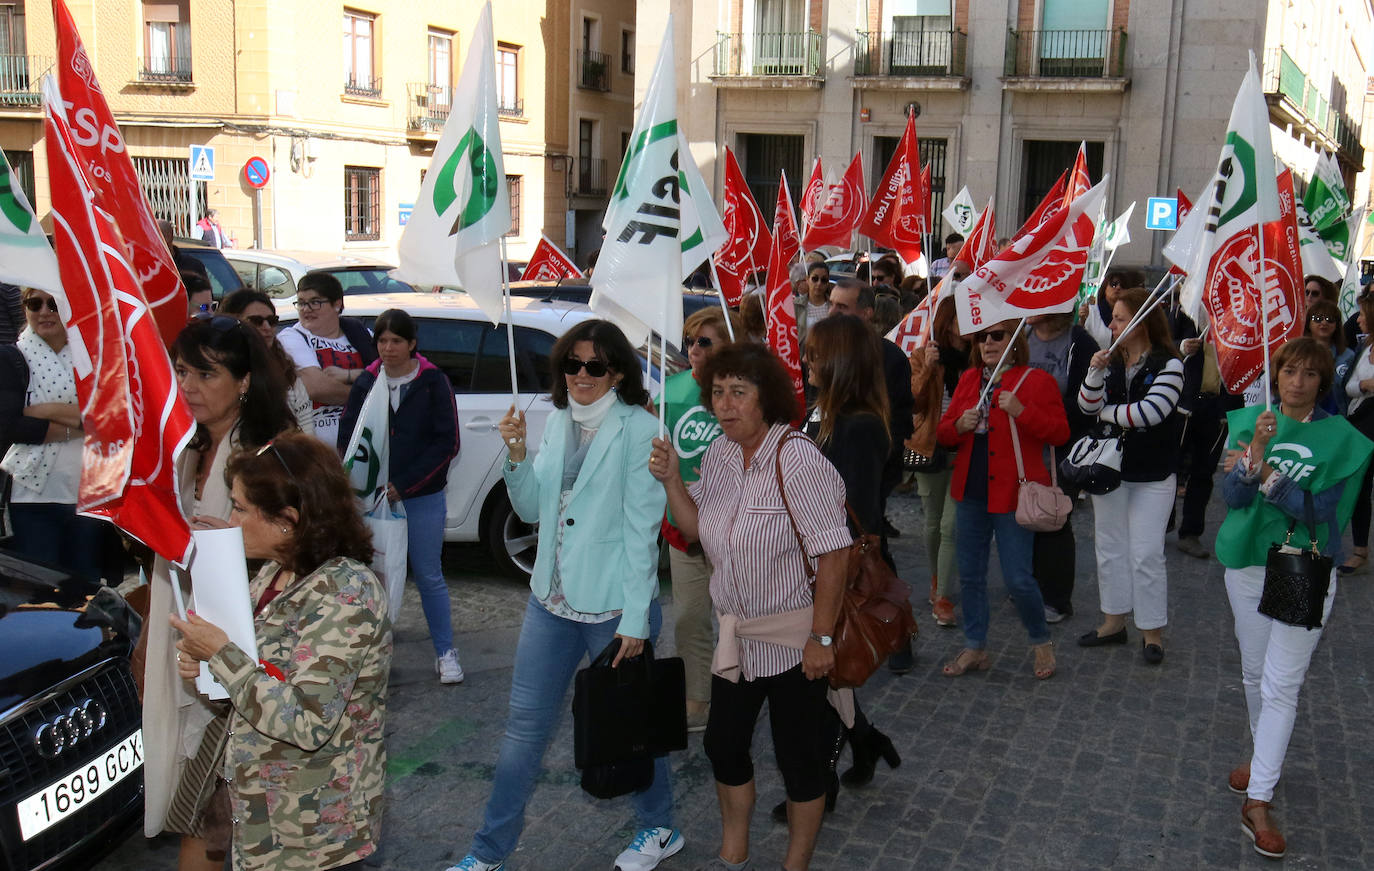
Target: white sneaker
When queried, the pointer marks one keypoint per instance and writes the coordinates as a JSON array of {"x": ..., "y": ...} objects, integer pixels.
[
  {"x": 472, "y": 863},
  {"x": 450, "y": 671},
  {"x": 649, "y": 847}
]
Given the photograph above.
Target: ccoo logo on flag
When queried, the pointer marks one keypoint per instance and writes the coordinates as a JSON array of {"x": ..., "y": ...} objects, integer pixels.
[{"x": 483, "y": 184}]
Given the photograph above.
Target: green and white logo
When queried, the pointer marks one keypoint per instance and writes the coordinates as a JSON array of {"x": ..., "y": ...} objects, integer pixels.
[{"x": 485, "y": 183}]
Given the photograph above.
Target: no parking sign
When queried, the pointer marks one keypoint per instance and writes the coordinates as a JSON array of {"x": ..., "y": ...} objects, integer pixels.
[{"x": 256, "y": 173}]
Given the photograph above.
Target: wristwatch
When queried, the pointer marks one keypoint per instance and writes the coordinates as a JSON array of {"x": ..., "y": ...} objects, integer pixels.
[{"x": 822, "y": 640}]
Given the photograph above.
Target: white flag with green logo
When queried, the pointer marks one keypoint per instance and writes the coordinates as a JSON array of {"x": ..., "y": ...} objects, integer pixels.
[
  {"x": 960, "y": 212},
  {"x": 660, "y": 223},
  {"x": 1242, "y": 194},
  {"x": 26, "y": 258},
  {"x": 1350, "y": 286},
  {"x": 1325, "y": 200},
  {"x": 367, "y": 459},
  {"x": 454, "y": 234},
  {"x": 1316, "y": 259},
  {"x": 1109, "y": 237}
]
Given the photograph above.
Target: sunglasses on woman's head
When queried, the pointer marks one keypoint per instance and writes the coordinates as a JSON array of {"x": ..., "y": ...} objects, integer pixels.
[
  {"x": 259, "y": 320},
  {"x": 595, "y": 368},
  {"x": 992, "y": 336},
  {"x": 276, "y": 453},
  {"x": 702, "y": 342},
  {"x": 36, "y": 304}
]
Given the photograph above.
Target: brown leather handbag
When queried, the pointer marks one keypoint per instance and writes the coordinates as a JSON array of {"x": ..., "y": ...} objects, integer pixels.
[{"x": 875, "y": 618}]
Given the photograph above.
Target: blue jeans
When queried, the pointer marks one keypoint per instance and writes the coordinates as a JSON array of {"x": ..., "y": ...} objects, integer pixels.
[
  {"x": 974, "y": 529},
  {"x": 424, "y": 548},
  {"x": 549, "y": 652},
  {"x": 54, "y": 533}
]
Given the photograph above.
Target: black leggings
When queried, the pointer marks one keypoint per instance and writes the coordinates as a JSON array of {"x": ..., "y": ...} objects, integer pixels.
[
  {"x": 799, "y": 717},
  {"x": 1359, "y": 521}
]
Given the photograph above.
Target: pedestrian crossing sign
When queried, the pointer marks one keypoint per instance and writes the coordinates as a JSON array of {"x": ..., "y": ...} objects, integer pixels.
[{"x": 202, "y": 163}]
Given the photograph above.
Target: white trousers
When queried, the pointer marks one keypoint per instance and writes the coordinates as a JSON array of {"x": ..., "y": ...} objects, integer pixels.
[
  {"x": 1128, "y": 526},
  {"x": 1273, "y": 664}
]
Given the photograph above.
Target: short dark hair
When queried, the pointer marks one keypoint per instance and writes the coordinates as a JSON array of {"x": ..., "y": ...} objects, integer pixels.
[
  {"x": 817, "y": 264},
  {"x": 1329, "y": 309},
  {"x": 322, "y": 283},
  {"x": 866, "y": 297},
  {"x": 396, "y": 321},
  {"x": 1307, "y": 351},
  {"x": 758, "y": 365},
  {"x": 195, "y": 282},
  {"x": 1329, "y": 290},
  {"x": 952, "y": 238},
  {"x": 237, "y": 302},
  {"x": 299, "y": 471},
  {"x": 263, "y": 412},
  {"x": 612, "y": 346}
]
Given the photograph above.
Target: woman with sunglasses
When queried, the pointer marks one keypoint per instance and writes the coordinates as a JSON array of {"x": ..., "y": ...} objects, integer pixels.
[
  {"x": 255, "y": 308},
  {"x": 985, "y": 486},
  {"x": 1097, "y": 317},
  {"x": 692, "y": 428},
  {"x": 1136, "y": 389},
  {"x": 303, "y": 763},
  {"x": 1324, "y": 325},
  {"x": 424, "y": 440},
  {"x": 231, "y": 384},
  {"x": 595, "y": 577},
  {"x": 40, "y": 421}
]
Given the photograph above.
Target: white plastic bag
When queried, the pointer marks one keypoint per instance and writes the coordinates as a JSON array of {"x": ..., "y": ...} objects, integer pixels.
[{"x": 389, "y": 554}]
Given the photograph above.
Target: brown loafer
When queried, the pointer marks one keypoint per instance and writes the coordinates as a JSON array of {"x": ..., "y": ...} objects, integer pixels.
[{"x": 1268, "y": 842}]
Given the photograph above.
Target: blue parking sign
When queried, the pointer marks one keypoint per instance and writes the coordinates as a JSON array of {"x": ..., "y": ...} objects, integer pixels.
[
  {"x": 1161, "y": 213},
  {"x": 403, "y": 212}
]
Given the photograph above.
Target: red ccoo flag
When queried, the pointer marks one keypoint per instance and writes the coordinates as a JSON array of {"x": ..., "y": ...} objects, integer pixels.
[
  {"x": 746, "y": 251},
  {"x": 98, "y": 149},
  {"x": 980, "y": 247},
  {"x": 549, "y": 263},
  {"x": 780, "y": 311},
  {"x": 839, "y": 217},
  {"x": 1053, "y": 202},
  {"x": 1078, "y": 182},
  {"x": 894, "y": 217},
  {"x": 813, "y": 196},
  {"x": 136, "y": 421}
]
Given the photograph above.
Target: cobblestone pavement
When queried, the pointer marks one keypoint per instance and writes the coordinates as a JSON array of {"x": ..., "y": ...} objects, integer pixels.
[{"x": 1111, "y": 764}]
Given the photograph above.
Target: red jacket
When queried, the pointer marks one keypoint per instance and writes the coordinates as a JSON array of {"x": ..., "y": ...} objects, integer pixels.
[{"x": 1042, "y": 422}]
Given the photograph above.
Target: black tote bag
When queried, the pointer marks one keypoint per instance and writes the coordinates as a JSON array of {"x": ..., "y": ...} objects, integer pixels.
[{"x": 635, "y": 711}]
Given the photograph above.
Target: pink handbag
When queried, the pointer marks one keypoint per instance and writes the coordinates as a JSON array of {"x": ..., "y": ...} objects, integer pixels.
[{"x": 1039, "y": 508}]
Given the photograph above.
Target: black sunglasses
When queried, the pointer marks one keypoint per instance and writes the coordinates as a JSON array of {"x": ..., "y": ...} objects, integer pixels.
[
  {"x": 1322, "y": 319},
  {"x": 36, "y": 304},
  {"x": 992, "y": 336},
  {"x": 702, "y": 342},
  {"x": 595, "y": 368},
  {"x": 259, "y": 320}
]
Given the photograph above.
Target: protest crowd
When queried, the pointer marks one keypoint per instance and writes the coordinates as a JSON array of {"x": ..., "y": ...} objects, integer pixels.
[{"x": 1008, "y": 383}]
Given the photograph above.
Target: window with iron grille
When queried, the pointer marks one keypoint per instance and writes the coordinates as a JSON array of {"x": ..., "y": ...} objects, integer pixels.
[
  {"x": 508, "y": 100},
  {"x": 761, "y": 155},
  {"x": 360, "y": 74},
  {"x": 362, "y": 203},
  {"x": 1045, "y": 162},
  {"x": 166, "y": 183},
  {"x": 513, "y": 189},
  {"x": 166, "y": 41},
  {"x": 21, "y": 165}
]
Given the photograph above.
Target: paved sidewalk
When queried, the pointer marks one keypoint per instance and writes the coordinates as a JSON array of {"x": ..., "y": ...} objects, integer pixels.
[{"x": 1111, "y": 764}]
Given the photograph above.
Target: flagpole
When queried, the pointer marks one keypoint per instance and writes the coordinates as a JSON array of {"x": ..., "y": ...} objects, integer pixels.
[
  {"x": 1153, "y": 300},
  {"x": 510, "y": 327},
  {"x": 1005, "y": 351},
  {"x": 1264, "y": 317},
  {"x": 720, "y": 292}
]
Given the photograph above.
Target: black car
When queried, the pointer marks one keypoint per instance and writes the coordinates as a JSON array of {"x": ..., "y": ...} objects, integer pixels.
[{"x": 71, "y": 739}]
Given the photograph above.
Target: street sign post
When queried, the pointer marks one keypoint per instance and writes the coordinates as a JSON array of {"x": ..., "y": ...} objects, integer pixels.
[
  {"x": 201, "y": 163},
  {"x": 1161, "y": 213},
  {"x": 256, "y": 173}
]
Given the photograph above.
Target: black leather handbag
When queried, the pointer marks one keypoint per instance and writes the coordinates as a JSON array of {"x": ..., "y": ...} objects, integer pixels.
[{"x": 1296, "y": 581}]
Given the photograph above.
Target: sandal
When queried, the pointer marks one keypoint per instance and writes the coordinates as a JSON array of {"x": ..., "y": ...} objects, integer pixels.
[
  {"x": 967, "y": 660},
  {"x": 1268, "y": 842},
  {"x": 1358, "y": 557},
  {"x": 1044, "y": 660}
]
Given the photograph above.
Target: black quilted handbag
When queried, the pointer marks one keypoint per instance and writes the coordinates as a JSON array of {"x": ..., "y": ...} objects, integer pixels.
[{"x": 1295, "y": 580}]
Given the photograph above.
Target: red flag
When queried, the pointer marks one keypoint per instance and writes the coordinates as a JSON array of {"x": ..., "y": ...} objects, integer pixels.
[
  {"x": 980, "y": 247},
  {"x": 1185, "y": 205},
  {"x": 1232, "y": 297},
  {"x": 1053, "y": 202},
  {"x": 99, "y": 152},
  {"x": 813, "y": 196},
  {"x": 136, "y": 421},
  {"x": 893, "y": 217},
  {"x": 549, "y": 263},
  {"x": 780, "y": 311},
  {"x": 1079, "y": 182},
  {"x": 837, "y": 219},
  {"x": 746, "y": 251},
  {"x": 981, "y": 244}
]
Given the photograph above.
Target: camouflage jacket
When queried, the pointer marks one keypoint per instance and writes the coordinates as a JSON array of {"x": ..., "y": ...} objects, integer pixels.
[{"x": 305, "y": 758}]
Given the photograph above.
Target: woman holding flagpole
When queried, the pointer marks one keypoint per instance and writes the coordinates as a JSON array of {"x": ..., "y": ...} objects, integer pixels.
[
  {"x": 1135, "y": 388},
  {"x": 423, "y": 432}
]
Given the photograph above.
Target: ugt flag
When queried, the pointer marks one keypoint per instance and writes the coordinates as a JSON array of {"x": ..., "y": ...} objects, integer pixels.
[
  {"x": 896, "y": 216},
  {"x": 453, "y": 237},
  {"x": 979, "y": 247},
  {"x": 780, "y": 312},
  {"x": 838, "y": 216},
  {"x": 26, "y": 258},
  {"x": 747, "y": 242},
  {"x": 549, "y": 263},
  {"x": 98, "y": 149},
  {"x": 135, "y": 419},
  {"x": 660, "y": 223}
]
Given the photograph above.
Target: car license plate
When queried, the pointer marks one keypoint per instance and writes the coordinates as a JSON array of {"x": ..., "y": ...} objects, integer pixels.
[{"x": 77, "y": 788}]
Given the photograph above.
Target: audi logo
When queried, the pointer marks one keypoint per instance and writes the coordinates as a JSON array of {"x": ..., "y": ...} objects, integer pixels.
[{"x": 67, "y": 730}]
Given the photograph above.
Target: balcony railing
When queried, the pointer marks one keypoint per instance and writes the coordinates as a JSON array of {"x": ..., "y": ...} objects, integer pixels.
[
  {"x": 1071, "y": 54},
  {"x": 510, "y": 107},
  {"x": 19, "y": 75},
  {"x": 594, "y": 70},
  {"x": 1283, "y": 78},
  {"x": 363, "y": 86},
  {"x": 427, "y": 106},
  {"x": 768, "y": 54},
  {"x": 910, "y": 53},
  {"x": 165, "y": 69},
  {"x": 591, "y": 177}
]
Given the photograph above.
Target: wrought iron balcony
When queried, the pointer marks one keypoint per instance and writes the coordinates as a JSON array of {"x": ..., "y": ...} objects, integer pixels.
[
  {"x": 1295, "y": 94},
  {"x": 1069, "y": 54},
  {"x": 768, "y": 54},
  {"x": 363, "y": 86},
  {"x": 510, "y": 107},
  {"x": 165, "y": 69},
  {"x": 591, "y": 177},
  {"x": 427, "y": 106},
  {"x": 594, "y": 70},
  {"x": 910, "y": 53},
  {"x": 19, "y": 75}
]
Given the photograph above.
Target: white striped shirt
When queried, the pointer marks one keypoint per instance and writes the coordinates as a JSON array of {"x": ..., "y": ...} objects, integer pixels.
[
  {"x": 1151, "y": 410},
  {"x": 746, "y": 533}
]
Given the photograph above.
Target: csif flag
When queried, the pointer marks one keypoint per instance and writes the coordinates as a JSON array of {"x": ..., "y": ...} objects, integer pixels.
[
  {"x": 1110, "y": 236},
  {"x": 780, "y": 311},
  {"x": 453, "y": 236},
  {"x": 747, "y": 242},
  {"x": 26, "y": 258},
  {"x": 1326, "y": 201},
  {"x": 367, "y": 460},
  {"x": 660, "y": 222},
  {"x": 894, "y": 217},
  {"x": 135, "y": 419},
  {"x": 98, "y": 149},
  {"x": 549, "y": 263},
  {"x": 960, "y": 212},
  {"x": 1316, "y": 258},
  {"x": 837, "y": 218}
]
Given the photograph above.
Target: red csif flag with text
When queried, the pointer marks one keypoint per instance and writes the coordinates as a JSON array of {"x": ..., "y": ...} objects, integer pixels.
[
  {"x": 780, "y": 313},
  {"x": 838, "y": 217},
  {"x": 895, "y": 217},
  {"x": 98, "y": 148},
  {"x": 549, "y": 263},
  {"x": 135, "y": 420},
  {"x": 746, "y": 250}
]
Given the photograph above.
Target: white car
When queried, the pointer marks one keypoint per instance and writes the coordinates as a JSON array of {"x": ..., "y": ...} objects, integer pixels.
[
  {"x": 454, "y": 334},
  {"x": 276, "y": 273}
]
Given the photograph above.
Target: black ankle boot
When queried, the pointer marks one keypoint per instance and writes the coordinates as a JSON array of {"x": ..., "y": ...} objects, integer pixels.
[{"x": 874, "y": 746}]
